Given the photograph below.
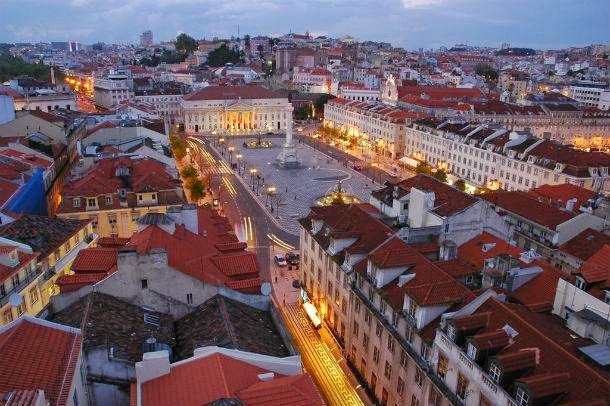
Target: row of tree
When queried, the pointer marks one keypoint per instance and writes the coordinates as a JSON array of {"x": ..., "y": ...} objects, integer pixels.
[{"x": 11, "y": 67}]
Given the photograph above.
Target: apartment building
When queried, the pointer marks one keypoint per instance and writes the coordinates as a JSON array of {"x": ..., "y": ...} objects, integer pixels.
[
  {"x": 492, "y": 157},
  {"x": 313, "y": 80},
  {"x": 112, "y": 89},
  {"x": 494, "y": 353},
  {"x": 114, "y": 193},
  {"x": 357, "y": 91},
  {"x": 380, "y": 125},
  {"x": 421, "y": 206},
  {"x": 537, "y": 225},
  {"x": 381, "y": 298},
  {"x": 591, "y": 94},
  {"x": 583, "y": 128},
  {"x": 35, "y": 251},
  {"x": 514, "y": 83}
]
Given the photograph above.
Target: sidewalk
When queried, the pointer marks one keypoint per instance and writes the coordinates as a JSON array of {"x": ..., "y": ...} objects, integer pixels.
[{"x": 326, "y": 348}]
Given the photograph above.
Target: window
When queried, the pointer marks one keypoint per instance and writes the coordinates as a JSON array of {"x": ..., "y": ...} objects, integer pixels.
[
  {"x": 414, "y": 401},
  {"x": 7, "y": 317},
  {"x": 356, "y": 329},
  {"x": 378, "y": 329},
  {"x": 391, "y": 343},
  {"x": 33, "y": 295},
  {"x": 21, "y": 308},
  {"x": 521, "y": 397},
  {"x": 373, "y": 381},
  {"x": 384, "y": 397},
  {"x": 424, "y": 351},
  {"x": 91, "y": 203},
  {"x": 462, "y": 386},
  {"x": 357, "y": 306},
  {"x": 441, "y": 368},
  {"x": 580, "y": 283},
  {"x": 144, "y": 283},
  {"x": 435, "y": 397},
  {"x": 367, "y": 317},
  {"x": 494, "y": 372},
  {"x": 451, "y": 332},
  {"x": 375, "y": 355},
  {"x": 400, "y": 387},
  {"x": 365, "y": 342},
  {"x": 76, "y": 202},
  {"x": 409, "y": 334},
  {"x": 419, "y": 378},
  {"x": 387, "y": 371},
  {"x": 75, "y": 398},
  {"x": 2, "y": 290},
  {"x": 108, "y": 200},
  {"x": 404, "y": 359},
  {"x": 471, "y": 350},
  {"x": 15, "y": 280},
  {"x": 154, "y": 196},
  {"x": 189, "y": 298}
]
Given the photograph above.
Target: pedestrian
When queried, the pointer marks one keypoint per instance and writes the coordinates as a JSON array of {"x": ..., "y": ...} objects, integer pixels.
[{"x": 295, "y": 197}]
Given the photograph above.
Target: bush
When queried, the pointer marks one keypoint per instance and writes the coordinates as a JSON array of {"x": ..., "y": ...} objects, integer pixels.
[
  {"x": 460, "y": 185},
  {"x": 423, "y": 167},
  {"x": 440, "y": 175}
]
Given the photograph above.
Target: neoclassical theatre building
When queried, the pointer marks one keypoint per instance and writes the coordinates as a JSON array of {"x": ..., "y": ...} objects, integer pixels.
[{"x": 235, "y": 110}]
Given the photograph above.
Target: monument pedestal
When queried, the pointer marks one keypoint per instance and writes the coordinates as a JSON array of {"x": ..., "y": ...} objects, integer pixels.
[{"x": 288, "y": 157}]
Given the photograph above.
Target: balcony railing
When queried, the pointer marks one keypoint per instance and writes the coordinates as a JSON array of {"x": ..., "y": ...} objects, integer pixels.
[{"x": 20, "y": 286}]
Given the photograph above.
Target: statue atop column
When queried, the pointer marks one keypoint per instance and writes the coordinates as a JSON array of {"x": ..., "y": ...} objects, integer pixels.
[{"x": 288, "y": 157}]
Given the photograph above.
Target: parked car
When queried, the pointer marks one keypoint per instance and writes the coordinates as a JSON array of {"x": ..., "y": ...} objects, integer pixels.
[
  {"x": 358, "y": 166},
  {"x": 280, "y": 260},
  {"x": 292, "y": 258}
]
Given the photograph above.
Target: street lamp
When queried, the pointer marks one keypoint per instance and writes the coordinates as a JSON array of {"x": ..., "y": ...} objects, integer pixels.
[
  {"x": 252, "y": 174},
  {"x": 270, "y": 191},
  {"x": 375, "y": 165},
  {"x": 231, "y": 149},
  {"x": 238, "y": 157}
]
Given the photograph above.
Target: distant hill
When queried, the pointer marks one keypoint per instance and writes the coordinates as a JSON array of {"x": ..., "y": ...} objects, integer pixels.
[{"x": 516, "y": 52}]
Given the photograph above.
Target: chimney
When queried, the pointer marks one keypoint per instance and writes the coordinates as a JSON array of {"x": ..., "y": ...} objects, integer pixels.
[
  {"x": 269, "y": 376},
  {"x": 153, "y": 365},
  {"x": 570, "y": 204}
]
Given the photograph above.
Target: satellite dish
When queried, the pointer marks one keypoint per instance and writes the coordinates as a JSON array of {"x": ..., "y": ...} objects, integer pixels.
[
  {"x": 265, "y": 289},
  {"x": 15, "y": 300}
]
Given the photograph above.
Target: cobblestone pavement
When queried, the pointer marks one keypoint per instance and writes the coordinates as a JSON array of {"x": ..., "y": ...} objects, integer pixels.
[{"x": 300, "y": 188}]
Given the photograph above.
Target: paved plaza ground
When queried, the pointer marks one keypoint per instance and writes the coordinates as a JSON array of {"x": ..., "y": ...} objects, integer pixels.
[{"x": 300, "y": 188}]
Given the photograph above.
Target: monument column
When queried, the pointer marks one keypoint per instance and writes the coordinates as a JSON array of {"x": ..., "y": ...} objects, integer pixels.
[{"x": 288, "y": 157}]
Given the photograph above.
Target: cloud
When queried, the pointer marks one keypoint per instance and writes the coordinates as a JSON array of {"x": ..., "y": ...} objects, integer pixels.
[{"x": 410, "y": 4}]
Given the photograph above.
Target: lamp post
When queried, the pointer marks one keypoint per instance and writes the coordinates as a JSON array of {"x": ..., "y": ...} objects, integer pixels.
[
  {"x": 270, "y": 192},
  {"x": 231, "y": 149},
  {"x": 252, "y": 174},
  {"x": 375, "y": 165},
  {"x": 238, "y": 157}
]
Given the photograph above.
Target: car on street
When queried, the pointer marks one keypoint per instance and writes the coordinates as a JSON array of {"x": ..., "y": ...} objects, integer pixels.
[
  {"x": 292, "y": 258},
  {"x": 280, "y": 260},
  {"x": 358, "y": 166}
]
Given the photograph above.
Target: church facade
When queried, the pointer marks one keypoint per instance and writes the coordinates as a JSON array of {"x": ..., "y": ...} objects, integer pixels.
[{"x": 236, "y": 110}]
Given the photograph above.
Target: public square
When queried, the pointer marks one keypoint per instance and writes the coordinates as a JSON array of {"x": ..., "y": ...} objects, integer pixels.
[{"x": 297, "y": 189}]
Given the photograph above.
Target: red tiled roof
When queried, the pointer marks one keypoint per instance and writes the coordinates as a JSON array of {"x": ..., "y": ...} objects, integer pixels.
[
  {"x": 539, "y": 293},
  {"x": 95, "y": 259},
  {"x": 485, "y": 246},
  {"x": 71, "y": 283},
  {"x": 560, "y": 194},
  {"x": 226, "y": 377},
  {"x": 394, "y": 253},
  {"x": 110, "y": 242},
  {"x": 232, "y": 93},
  {"x": 533, "y": 352},
  {"x": 457, "y": 268},
  {"x": 7, "y": 190},
  {"x": 36, "y": 354},
  {"x": 491, "y": 340},
  {"x": 51, "y": 118},
  {"x": 597, "y": 267},
  {"x": 585, "y": 244},
  {"x": 24, "y": 258},
  {"x": 198, "y": 256},
  {"x": 525, "y": 205},
  {"x": 544, "y": 385}
]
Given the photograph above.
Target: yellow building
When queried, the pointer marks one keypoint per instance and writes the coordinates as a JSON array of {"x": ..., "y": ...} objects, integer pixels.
[
  {"x": 34, "y": 252},
  {"x": 114, "y": 193}
]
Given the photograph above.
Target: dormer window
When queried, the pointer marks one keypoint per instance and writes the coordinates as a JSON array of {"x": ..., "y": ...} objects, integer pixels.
[
  {"x": 522, "y": 397},
  {"x": 108, "y": 200},
  {"x": 581, "y": 283},
  {"x": 76, "y": 202},
  {"x": 471, "y": 350},
  {"x": 91, "y": 202}
]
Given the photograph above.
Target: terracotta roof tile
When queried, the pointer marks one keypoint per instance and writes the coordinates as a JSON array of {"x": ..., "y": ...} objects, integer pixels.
[
  {"x": 95, "y": 259},
  {"x": 586, "y": 244},
  {"x": 26, "y": 361},
  {"x": 597, "y": 267},
  {"x": 484, "y": 246},
  {"x": 525, "y": 205},
  {"x": 232, "y": 93},
  {"x": 560, "y": 194}
]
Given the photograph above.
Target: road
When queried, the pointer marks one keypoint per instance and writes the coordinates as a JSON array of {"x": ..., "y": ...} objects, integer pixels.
[{"x": 251, "y": 222}]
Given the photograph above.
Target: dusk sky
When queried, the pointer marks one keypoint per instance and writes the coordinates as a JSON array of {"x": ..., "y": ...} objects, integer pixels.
[{"x": 408, "y": 23}]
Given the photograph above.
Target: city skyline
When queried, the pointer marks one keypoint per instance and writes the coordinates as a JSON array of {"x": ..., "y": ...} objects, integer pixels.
[{"x": 408, "y": 23}]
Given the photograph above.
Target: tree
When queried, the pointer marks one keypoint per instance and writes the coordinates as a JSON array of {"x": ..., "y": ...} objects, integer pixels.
[
  {"x": 186, "y": 44},
  {"x": 178, "y": 147},
  {"x": 440, "y": 175},
  {"x": 223, "y": 55},
  {"x": 423, "y": 167},
  {"x": 11, "y": 66},
  {"x": 460, "y": 185},
  {"x": 197, "y": 189},
  {"x": 487, "y": 71},
  {"x": 189, "y": 172}
]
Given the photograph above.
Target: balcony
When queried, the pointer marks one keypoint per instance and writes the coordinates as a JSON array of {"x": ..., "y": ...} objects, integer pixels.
[
  {"x": 21, "y": 286},
  {"x": 472, "y": 371}
]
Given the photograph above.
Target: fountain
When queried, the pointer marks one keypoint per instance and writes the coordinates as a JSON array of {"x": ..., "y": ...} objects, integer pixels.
[{"x": 337, "y": 195}]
